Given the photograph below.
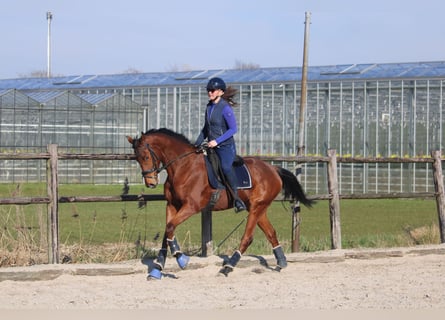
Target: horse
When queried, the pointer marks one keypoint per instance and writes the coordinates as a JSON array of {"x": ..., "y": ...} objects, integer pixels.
[{"x": 187, "y": 192}]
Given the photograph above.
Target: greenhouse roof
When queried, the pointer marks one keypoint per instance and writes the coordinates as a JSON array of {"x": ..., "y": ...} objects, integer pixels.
[
  {"x": 98, "y": 99},
  {"x": 65, "y": 97},
  {"x": 44, "y": 96},
  {"x": 94, "y": 98},
  {"x": 259, "y": 75}
]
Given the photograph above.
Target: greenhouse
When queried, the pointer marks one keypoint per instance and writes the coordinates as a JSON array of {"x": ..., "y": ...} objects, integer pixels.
[
  {"x": 360, "y": 110},
  {"x": 77, "y": 123}
]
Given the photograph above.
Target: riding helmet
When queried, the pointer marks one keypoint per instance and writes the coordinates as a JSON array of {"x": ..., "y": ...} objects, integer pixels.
[{"x": 215, "y": 84}]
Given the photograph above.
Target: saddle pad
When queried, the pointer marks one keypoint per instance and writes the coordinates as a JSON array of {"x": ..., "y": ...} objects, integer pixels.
[{"x": 242, "y": 173}]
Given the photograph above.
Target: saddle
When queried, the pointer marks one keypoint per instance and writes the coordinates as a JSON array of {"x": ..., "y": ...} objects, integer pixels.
[{"x": 215, "y": 174}]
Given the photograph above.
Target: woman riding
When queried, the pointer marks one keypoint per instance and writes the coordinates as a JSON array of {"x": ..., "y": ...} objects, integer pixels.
[{"x": 219, "y": 128}]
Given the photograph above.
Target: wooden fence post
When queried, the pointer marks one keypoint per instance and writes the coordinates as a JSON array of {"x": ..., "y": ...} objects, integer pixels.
[
  {"x": 206, "y": 233},
  {"x": 440, "y": 193},
  {"x": 334, "y": 200},
  {"x": 53, "y": 210}
]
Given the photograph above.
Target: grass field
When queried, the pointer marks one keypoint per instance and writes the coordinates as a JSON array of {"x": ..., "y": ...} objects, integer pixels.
[{"x": 100, "y": 232}]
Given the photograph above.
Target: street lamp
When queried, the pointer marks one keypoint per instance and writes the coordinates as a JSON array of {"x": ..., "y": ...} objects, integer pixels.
[{"x": 49, "y": 17}]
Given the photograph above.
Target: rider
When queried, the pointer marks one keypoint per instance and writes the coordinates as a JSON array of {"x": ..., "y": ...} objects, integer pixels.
[{"x": 219, "y": 128}]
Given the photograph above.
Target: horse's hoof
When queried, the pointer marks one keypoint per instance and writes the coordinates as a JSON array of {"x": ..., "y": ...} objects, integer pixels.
[
  {"x": 277, "y": 268},
  {"x": 182, "y": 260},
  {"x": 155, "y": 273},
  {"x": 282, "y": 264},
  {"x": 226, "y": 270}
]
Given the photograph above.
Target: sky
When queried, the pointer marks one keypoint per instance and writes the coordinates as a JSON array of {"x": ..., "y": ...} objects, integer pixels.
[{"x": 115, "y": 36}]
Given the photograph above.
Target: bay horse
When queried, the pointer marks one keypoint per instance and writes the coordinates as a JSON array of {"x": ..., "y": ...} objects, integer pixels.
[{"x": 187, "y": 191}]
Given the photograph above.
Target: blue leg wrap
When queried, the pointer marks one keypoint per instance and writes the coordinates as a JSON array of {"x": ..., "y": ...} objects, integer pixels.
[
  {"x": 229, "y": 265},
  {"x": 174, "y": 246},
  {"x": 234, "y": 259},
  {"x": 158, "y": 265},
  {"x": 181, "y": 258},
  {"x": 155, "y": 273},
  {"x": 160, "y": 260},
  {"x": 281, "y": 258}
]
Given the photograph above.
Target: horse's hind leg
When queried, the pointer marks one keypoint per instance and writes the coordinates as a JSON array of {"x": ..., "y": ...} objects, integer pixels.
[
  {"x": 246, "y": 240},
  {"x": 281, "y": 258},
  {"x": 271, "y": 235}
]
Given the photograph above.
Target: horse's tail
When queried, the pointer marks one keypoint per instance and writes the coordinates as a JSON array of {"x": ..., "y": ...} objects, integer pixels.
[{"x": 292, "y": 187}]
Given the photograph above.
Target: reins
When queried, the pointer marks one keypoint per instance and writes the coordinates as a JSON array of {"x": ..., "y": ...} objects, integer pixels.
[
  {"x": 175, "y": 159},
  {"x": 154, "y": 157}
]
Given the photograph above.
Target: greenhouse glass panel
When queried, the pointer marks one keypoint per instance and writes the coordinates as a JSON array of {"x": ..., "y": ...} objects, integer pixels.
[{"x": 385, "y": 110}]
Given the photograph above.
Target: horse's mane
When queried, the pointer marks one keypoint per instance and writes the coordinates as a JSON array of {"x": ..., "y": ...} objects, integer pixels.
[{"x": 169, "y": 133}]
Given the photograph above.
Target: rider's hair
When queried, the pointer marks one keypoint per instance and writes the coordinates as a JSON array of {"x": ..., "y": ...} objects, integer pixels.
[{"x": 229, "y": 96}]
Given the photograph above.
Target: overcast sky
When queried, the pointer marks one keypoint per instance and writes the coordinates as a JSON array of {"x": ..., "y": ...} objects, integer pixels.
[{"x": 113, "y": 36}]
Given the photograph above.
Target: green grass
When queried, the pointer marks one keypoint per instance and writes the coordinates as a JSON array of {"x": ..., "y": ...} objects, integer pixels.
[
  {"x": 370, "y": 223},
  {"x": 364, "y": 223}
]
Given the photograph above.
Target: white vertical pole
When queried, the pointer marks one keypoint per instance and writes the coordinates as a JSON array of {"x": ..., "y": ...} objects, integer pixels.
[{"x": 49, "y": 17}]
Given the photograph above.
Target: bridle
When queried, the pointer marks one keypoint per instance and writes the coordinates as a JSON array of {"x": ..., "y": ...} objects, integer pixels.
[{"x": 155, "y": 159}]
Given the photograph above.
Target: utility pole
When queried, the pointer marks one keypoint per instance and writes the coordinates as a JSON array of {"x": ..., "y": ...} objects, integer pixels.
[
  {"x": 296, "y": 219},
  {"x": 49, "y": 17}
]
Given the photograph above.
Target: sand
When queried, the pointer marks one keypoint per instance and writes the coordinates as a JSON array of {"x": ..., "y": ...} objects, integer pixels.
[{"x": 387, "y": 279}]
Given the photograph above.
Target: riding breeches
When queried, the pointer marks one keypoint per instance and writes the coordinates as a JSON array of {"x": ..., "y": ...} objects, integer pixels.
[{"x": 226, "y": 154}]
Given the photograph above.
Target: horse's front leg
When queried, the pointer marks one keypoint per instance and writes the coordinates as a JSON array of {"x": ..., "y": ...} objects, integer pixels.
[
  {"x": 174, "y": 218},
  {"x": 158, "y": 265},
  {"x": 181, "y": 258}
]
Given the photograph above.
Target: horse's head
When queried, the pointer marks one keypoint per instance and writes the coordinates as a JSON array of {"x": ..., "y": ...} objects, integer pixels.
[{"x": 147, "y": 159}]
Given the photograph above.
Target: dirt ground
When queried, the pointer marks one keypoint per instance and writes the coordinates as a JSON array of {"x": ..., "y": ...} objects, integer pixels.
[{"x": 390, "y": 279}]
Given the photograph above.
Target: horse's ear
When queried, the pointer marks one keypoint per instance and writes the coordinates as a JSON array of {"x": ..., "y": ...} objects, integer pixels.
[{"x": 130, "y": 139}]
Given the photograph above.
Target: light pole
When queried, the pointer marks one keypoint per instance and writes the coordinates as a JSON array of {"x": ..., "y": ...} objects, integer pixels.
[
  {"x": 49, "y": 17},
  {"x": 296, "y": 219}
]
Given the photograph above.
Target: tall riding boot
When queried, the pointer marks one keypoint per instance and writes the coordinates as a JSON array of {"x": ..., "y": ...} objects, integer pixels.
[{"x": 238, "y": 204}]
